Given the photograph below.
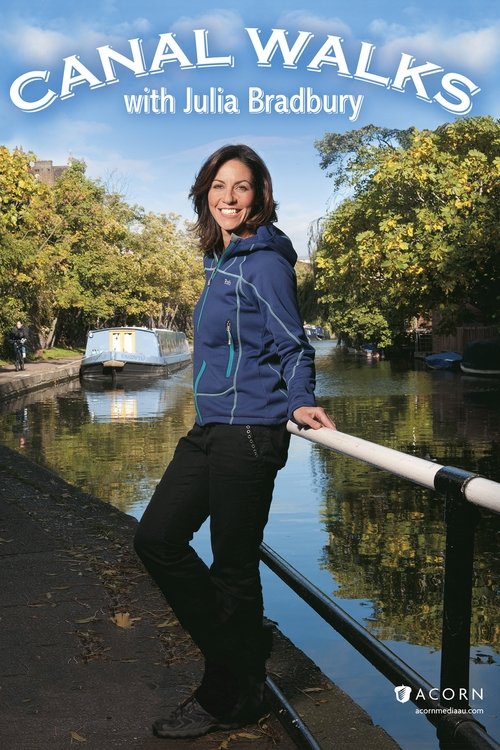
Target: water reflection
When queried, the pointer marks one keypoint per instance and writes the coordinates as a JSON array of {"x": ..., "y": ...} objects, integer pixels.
[
  {"x": 111, "y": 443},
  {"x": 20, "y": 426},
  {"x": 128, "y": 403},
  {"x": 386, "y": 536},
  {"x": 371, "y": 540}
]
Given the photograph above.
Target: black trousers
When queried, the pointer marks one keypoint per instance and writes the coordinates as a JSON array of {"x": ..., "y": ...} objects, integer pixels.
[{"x": 227, "y": 473}]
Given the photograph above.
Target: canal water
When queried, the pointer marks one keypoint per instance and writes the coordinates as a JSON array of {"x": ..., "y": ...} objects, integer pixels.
[{"x": 371, "y": 541}]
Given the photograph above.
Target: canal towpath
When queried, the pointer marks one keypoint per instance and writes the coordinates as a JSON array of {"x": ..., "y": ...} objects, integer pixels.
[
  {"x": 40, "y": 373},
  {"x": 90, "y": 654}
]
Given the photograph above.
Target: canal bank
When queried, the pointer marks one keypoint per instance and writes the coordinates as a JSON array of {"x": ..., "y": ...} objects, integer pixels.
[
  {"x": 91, "y": 655},
  {"x": 38, "y": 374}
]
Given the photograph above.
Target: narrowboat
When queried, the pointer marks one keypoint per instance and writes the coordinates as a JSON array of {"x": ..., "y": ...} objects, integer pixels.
[
  {"x": 482, "y": 357},
  {"x": 121, "y": 353}
]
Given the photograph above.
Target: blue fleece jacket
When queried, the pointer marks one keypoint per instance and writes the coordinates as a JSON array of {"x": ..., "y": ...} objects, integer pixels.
[{"x": 253, "y": 363}]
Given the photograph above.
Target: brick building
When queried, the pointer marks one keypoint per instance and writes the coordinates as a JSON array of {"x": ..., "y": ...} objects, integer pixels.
[{"x": 46, "y": 172}]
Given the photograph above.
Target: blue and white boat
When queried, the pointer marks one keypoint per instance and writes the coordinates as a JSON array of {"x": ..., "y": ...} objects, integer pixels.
[
  {"x": 121, "y": 353},
  {"x": 443, "y": 361}
]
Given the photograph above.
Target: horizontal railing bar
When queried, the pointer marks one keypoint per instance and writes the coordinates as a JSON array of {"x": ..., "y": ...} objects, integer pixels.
[
  {"x": 396, "y": 670},
  {"x": 456, "y": 725},
  {"x": 478, "y": 490},
  {"x": 289, "y": 718}
]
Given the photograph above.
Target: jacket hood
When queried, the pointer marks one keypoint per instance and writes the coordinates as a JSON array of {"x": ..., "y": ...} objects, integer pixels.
[{"x": 268, "y": 237}]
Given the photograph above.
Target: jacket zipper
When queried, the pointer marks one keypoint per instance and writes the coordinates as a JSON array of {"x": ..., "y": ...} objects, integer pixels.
[
  {"x": 230, "y": 344},
  {"x": 204, "y": 364},
  {"x": 209, "y": 282}
]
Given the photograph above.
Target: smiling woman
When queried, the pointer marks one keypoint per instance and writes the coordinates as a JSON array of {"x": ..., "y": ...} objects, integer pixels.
[
  {"x": 231, "y": 197},
  {"x": 238, "y": 174},
  {"x": 253, "y": 370}
]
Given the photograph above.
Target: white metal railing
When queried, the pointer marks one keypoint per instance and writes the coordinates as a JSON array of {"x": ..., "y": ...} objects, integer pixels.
[{"x": 476, "y": 489}]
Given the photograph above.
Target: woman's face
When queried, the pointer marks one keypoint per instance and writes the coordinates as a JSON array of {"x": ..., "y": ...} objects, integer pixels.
[{"x": 231, "y": 197}]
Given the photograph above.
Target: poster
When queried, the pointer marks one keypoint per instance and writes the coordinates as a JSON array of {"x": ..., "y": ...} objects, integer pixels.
[{"x": 143, "y": 92}]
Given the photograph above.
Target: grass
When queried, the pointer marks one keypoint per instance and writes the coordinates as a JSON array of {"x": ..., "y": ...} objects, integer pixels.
[
  {"x": 58, "y": 353},
  {"x": 54, "y": 353}
]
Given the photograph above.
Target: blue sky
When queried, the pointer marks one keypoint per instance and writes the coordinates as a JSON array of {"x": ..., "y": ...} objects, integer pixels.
[{"x": 153, "y": 157}]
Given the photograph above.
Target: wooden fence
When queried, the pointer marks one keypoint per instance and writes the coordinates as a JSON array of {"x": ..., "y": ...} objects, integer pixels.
[{"x": 464, "y": 335}]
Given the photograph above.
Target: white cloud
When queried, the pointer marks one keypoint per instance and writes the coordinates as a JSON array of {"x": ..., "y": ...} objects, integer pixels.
[
  {"x": 225, "y": 26},
  {"x": 476, "y": 51},
  {"x": 296, "y": 220},
  {"x": 138, "y": 25},
  {"x": 38, "y": 45},
  {"x": 108, "y": 7},
  {"x": 304, "y": 21},
  {"x": 479, "y": 50},
  {"x": 63, "y": 138},
  {"x": 43, "y": 46},
  {"x": 386, "y": 30},
  {"x": 122, "y": 171}
]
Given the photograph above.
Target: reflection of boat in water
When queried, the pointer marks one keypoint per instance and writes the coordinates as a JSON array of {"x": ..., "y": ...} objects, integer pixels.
[
  {"x": 443, "y": 361},
  {"x": 118, "y": 354},
  {"x": 482, "y": 358},
  {"x": 371, "y": 351},
  {"x": 367, "y": 349},
  {"x": 127, "y": 404}
]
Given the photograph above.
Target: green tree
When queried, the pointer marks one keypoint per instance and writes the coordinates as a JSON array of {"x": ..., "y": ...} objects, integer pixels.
[
  {"x": 28, "y": 255},
  {"x": 169, "y": 274},
  {"x": 93, "y": 229},
  {"x": 76, "y": 255},
  {"x": 419, "y": 231},
  {"x": 350, "y": 157},
  {"x": 126, "y": 267}
]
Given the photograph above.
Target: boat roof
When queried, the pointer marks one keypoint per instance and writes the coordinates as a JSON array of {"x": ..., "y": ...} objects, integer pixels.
[{"x": 132, "y": 328}]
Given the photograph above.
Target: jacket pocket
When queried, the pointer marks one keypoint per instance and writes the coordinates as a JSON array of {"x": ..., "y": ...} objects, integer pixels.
[{"x": 230, "y": 353}]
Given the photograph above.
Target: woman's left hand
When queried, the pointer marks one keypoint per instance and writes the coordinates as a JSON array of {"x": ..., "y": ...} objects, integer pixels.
[{"x": 313, "y": 416}]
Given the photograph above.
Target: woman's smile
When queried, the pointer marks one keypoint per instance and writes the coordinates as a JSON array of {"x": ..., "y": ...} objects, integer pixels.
[{"x": 230, "y": 198}]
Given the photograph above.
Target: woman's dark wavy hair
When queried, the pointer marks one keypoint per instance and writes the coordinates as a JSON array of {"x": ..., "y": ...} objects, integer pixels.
[{"x": 264, "y": 206}]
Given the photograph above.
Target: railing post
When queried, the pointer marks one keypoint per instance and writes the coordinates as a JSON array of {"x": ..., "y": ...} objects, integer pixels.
[{"x": 461, "y": 521}]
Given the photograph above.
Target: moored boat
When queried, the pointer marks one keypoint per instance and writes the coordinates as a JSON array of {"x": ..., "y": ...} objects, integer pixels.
[
  {"x": 121, "y": 353},
  {"x": 443, "y": 360},
  {"x": 314, "y": 333},
  {"x": 482, "y": 357}
]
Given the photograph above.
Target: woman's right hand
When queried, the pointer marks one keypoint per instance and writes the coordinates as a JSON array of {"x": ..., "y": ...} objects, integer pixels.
[{"x": 313, "y": 416}]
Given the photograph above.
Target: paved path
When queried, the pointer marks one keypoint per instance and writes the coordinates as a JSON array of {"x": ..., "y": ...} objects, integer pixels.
[
  {"x": 37, "y": 375},
  {"x": 89, "y": 653}
]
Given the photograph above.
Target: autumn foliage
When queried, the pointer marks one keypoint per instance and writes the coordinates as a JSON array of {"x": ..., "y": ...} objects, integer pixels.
[
  {"x": 415, "y": 229},
  {"x": 76, "y": 255}
]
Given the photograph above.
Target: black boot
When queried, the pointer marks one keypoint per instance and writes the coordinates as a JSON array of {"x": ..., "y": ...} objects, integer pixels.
[{"x": 249, "y": 706}]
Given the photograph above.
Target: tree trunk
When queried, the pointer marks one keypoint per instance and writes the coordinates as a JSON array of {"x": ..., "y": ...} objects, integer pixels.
[
  {"x": 50, "y": 339},
  {"x": 172, "y": 317}
]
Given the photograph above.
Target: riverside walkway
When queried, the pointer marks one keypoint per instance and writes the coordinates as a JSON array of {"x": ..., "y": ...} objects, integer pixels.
[{"x": 90, "y": 655}]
